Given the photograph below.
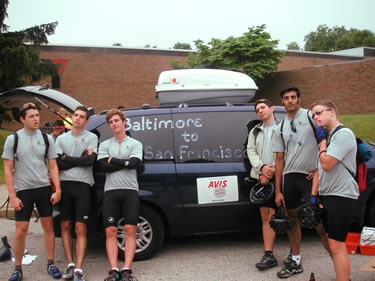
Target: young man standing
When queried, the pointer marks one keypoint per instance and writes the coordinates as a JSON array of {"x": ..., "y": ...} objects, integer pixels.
[
  {"x": 26, "y": 177},
  {"x": 259, "y": 151},
  {"x": 76, "y": 150},
  {"x": 119, "y": 158},
  {"x": 295, "y": 145},
  {"x": 334, "y": 179}
]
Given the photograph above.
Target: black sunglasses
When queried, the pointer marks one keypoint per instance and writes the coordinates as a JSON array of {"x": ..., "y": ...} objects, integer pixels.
[{"x": 320, "y": 111}]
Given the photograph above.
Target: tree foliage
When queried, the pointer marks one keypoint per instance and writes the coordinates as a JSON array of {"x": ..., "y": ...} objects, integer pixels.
[
  {"x": 182, "y": 46},
  {"x": 254, "y": 53},
  {"x": 19, "y": 53},
  {"x": 293, "y": 46},
  {"x": 326, "y": 39}
]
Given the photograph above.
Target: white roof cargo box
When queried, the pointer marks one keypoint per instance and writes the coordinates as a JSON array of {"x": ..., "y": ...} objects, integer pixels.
[{"x": 204, "y": 86}]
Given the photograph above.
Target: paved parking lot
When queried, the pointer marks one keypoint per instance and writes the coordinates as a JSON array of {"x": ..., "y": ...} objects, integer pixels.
[{"x": 219, "y": 258}]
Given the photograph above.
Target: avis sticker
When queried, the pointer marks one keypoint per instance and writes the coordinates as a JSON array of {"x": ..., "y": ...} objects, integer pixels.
[{"x": 217, "y": 189}]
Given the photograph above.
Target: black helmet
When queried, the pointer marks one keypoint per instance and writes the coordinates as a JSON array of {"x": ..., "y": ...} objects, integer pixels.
[
  {"x": 309, "y": 215},
  {"x": 280, "y": 222},
  {"x": 260, "y": 194}
]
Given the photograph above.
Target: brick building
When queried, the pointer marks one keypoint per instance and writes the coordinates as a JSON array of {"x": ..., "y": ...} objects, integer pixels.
[{"x": 105, "y": 77}]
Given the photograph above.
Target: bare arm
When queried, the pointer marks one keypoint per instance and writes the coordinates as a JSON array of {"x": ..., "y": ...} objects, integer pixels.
[
  {"x": 15, "y": 202},
  {"x": 54, "y": 172}
]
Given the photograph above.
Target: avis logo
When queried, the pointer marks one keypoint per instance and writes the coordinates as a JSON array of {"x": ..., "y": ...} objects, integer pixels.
[{"x": 218, "y": 183}]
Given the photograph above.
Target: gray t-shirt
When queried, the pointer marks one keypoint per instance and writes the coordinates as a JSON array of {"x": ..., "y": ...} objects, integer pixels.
[
  {"x": 338, "y": 181},
  {"x": 125, "y": 178},
  {"x": 30, "y": 171},
  {"x": 73, "y": 145},
  {"x": 299, "y": 145}
]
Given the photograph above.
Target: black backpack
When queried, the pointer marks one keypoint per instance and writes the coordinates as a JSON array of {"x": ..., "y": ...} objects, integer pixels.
[{"x": 15, "y": 145}]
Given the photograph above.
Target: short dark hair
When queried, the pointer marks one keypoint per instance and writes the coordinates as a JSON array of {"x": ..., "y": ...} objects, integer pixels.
[
  {"x": 26, "y": 107},
  {"x": 265, "y": 101},
  {"x": 290, "y": 89},
  {"x": 58, "y": 124},
  {"x": 83, "y": 108}
]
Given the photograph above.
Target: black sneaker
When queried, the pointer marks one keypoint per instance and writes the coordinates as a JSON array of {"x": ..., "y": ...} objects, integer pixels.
[
  {"x": 288, "y": 259},
  {"x": 53, "y": 271},
  {"x": 290, "y": 269},
  {"x": 16, "y": 276},
  {"x": 267, "y": 261},
  {"x": 127, "y": 275},
  {"x": 69, "y": 272},
  {"x": 113, "y": 275}
]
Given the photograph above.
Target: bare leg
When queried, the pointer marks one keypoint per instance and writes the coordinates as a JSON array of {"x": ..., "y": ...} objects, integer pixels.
[
  {"x": 111, "y": 245},
  {"x": 130, "y": 244}
]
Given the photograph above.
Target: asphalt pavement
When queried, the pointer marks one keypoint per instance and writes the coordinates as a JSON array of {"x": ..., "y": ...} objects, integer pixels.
[{"x": 208, "y": 258}]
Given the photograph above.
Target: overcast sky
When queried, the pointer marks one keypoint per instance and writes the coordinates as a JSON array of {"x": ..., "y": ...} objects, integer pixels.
[{"x": 163, "y": 23}]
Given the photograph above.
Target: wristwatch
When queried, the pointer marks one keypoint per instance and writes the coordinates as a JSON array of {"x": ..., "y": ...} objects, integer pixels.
[{"x": 126, "y": 163}]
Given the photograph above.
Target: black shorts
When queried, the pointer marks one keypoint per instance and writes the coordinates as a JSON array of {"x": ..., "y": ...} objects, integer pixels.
[
  {"x": 120, "y": 203},
  {"x": 75, "y": 201},
  {"x": 338, "y": 216},
  {"x": 38, "y": 196},
  {"x": 296, "y": 190}
]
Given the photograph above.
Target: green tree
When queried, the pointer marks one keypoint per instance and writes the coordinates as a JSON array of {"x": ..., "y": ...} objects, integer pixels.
[
  {"x": 117, "y": 45},
  {"x": 254, "y": 53},
  {"x": 19, "y": 53},
  {"x": 182, "y": 46},
  {"x": 326, "y": 39},
  {"x": 356, "y": 38},
  {"x": 293, "y": 46}
]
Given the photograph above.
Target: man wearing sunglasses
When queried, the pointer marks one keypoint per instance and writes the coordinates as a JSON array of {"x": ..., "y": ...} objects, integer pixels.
[
  {"x": 295, "y": 144},
  {"x": 338, "y": 190},
  {"x": 26, "y": 177}
]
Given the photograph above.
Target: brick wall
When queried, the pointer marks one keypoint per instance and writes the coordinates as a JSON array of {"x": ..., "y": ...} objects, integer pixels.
[
  {"x": 350, "y": 85},
  {"x": 106, "y": 77}
]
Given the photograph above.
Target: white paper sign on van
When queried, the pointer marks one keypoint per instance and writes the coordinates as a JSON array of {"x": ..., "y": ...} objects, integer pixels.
[{"x": 217, "y": 189}]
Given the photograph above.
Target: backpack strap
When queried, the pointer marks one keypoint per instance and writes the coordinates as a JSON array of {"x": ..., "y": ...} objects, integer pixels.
[
  {"x": 15, "y": 145},
  {"x": 311, "y": 124},
  {"x": 339, "y": 127},
  {"x": 45, "y": 138}
]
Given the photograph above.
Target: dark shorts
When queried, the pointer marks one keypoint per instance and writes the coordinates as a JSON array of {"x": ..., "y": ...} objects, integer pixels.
[
  {"x": 296, "y": 190},
  {"x": 38, "y": 196},
  {"x": 338, "y": 216},
  {"x": 75, "y": 201},
  {"x": 120, "y": 203}
]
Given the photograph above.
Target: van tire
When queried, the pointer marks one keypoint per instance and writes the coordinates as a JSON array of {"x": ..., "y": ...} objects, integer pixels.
[{"x": 150, "y": 234}]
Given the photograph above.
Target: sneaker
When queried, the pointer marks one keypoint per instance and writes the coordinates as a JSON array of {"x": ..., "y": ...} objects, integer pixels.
[
  {"x": 53, "y": 271},
  {"x": 16, "y": 276},
  {"x": 79, "y": 276},
  {"x": 127, "y": 275},
  {"x": 113, "y": 275},
  {"x": 267, "y": 261},
  {"x": 288, "y": 259},
  {"x": 290, "y": 269},
  {"x": 69, "y": 272}
]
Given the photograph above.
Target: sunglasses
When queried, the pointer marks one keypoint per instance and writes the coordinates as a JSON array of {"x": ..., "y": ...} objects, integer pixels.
[
  {"x": 28, "y": 106},
  {"x": 320, "y": 111}
]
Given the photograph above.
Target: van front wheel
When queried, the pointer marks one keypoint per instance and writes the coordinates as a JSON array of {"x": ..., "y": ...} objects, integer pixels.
[{"x": 150, "y": 234}]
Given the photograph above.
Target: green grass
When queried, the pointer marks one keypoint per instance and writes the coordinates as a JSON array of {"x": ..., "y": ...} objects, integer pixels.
[
  {"x": 3, "y": 136},
  {"x": 363, "y": 126}
]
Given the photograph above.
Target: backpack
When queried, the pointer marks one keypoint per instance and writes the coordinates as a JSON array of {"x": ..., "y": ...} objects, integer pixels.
[
  {"x": 15, "y": 145},
  {"x": 364, "y": 154}
]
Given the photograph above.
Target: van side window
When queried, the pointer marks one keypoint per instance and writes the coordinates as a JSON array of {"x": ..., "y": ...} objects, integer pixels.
[{"x": 211, "y": 136}]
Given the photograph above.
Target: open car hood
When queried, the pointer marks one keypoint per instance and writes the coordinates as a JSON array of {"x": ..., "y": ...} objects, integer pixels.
[{"x": 40, "y": 95}]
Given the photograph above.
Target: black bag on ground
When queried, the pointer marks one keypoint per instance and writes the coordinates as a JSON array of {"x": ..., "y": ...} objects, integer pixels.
[{"x": 5, "y": 252}]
